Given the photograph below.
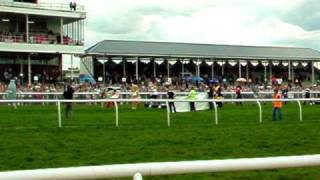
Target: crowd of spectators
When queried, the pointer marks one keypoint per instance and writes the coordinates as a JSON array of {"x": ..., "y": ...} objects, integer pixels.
[
  {"x": 55, "y": 90},
  {"x": 48, "y": 37}
]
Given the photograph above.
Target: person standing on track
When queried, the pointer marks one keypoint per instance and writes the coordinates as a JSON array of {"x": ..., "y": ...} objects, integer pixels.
[
  {"x": 68, "y": 95},
  {"x": 12, "y": 92},
  {"x": 277, "y": 105},
  {"x": 192, "y": 96},
  {"x": 171, "y": 95},
  {"x": 135, "y": 94},
  {"x": 238, "y": 94}
]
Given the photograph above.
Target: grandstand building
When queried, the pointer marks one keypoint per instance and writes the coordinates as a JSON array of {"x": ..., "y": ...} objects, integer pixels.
[
  {"x": 33, "y": 36},
  {"x": 114, "y": 59}
]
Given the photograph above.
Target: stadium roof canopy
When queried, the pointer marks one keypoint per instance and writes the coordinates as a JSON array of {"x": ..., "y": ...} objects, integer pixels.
[{"x": 188, "y": 50}]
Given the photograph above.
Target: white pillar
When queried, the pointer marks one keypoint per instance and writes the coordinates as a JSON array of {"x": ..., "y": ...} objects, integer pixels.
[
  {"x": 21, "y": 66},
  {"x": 312, "y": 72},
  {"x": 154, "y": 69},
  {"x": 61, "y": 30},
  {"x": 27, "y": 28},
  {"x": 198, "y": 67},
  {"x": 124, "y": 67},
  {"x": 182, "y": 69},
  {"x": 137, "y": 69},
  {"x": 265, "y": 74},
  {"x": 212, "y": 70},
  {"x": 289, "y": 71},
  {"x": 168, "y": 69},
  {"x": 292, "y": 73},
  {"x": 247, "y": 71},
  {"x": 104, "y": 72},
  {"x": 71, "y": 67},
  {"x": 270, "y": 70},
  {"x": 29, "y": 69},
  {"x": 240, "y": 73},
  {"x": 222, "y": 69}
]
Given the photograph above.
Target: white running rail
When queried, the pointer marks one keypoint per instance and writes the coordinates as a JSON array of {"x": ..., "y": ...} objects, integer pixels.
[
  {"x": 164, "y": 168},
  {"x": 166, "y": 101}
]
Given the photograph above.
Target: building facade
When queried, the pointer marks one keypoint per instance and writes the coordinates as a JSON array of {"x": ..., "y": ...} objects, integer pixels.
[{"x": 33, "y": 37}]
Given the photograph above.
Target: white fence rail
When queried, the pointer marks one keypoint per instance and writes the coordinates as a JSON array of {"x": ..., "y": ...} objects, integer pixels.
[
  {"x": 164, "y": 168},
  {"x": 145, "y": 95},
  {"x": 166, "y": 101}
]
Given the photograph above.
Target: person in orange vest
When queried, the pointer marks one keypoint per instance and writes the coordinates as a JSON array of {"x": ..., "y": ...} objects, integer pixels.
[{"x": 277, "y": 105}]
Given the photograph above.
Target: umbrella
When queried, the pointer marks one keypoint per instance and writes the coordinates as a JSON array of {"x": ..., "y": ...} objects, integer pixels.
[
  {"x": 214, "y": 81},
  {"x": 199, "y": 79},
  {"x": 241, "y": 80}
]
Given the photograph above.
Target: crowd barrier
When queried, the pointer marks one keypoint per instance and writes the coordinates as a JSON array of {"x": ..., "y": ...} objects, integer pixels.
[
  {"x": 164, "y": 168},
  {"x": 116, "y": 102}
]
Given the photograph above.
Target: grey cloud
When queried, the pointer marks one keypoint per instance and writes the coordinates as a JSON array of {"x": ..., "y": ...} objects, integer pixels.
[
  {"x": 306, "y": 15},
  {"x": 121, "y": 23},
  {"x": 125, "y": 22},
  {"x": 166, "y": 11},
  {"x": 306, "y": 43}
]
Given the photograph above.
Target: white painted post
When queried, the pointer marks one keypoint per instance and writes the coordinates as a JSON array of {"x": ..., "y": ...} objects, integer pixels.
[
  {"x": 29, "y": 70},
  {"x": 240, "y": 73},
  {"x": 117, "y": 113},
  {"x": 270, "y": 69},
  {"x": 300, "y": 110},
  {"x": 260, "y": 111},
  {"x": 289, "y": 72},
  {"x": 168, "y": 113},
  {"x": 212, "y": 70},
  {"x": 247, "y": 71},
  {"x": 215, "y": 112},
  {"x": 168, "y": 69},
  {"x": 265, "y": 74},
  {"x": 312, "y": 72},
  {"x": 154, "y": 69},
  {"x": 59, "y": 115},
  {"x": 137, "y": 176},
  {"x": 137, "y": 69}
]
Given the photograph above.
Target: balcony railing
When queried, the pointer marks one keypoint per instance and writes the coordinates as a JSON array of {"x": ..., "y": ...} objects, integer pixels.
[
  {"x": 48, "y": 6},
  {"x": 38, "y": 38}
]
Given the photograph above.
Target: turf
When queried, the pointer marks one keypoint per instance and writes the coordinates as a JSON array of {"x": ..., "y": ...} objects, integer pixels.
[{"x": 30, "y": 139}]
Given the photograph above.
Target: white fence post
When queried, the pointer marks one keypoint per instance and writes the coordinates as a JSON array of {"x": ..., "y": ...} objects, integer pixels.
[
  {"x": 168, "y": 113},
  {"x": 59, "y": 115},
  {"x": 300, "y": 110},
  {"x": 137, "y": 176},
  {"x": 215, "y": 112},
  {"x": 117, "y": 113},
  {"x": 260, "y": 111}
]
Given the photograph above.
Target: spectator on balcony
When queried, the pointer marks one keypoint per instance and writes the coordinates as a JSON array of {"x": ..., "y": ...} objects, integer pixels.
[{"x": 73, "y": 6}]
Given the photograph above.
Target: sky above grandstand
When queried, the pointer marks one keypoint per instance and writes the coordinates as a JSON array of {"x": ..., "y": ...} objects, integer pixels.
[{"x": 240, "y": 22}]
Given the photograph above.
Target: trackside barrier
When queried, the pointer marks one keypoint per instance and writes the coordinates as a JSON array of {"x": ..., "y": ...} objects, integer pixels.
[
  {"x": 166, "y": 101},
  {"x": 297, "y": 94},
  {"x": 164, "y": 168}
]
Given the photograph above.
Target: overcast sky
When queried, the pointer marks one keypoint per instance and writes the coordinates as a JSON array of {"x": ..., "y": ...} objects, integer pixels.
[{"x": 240, "y": 22}]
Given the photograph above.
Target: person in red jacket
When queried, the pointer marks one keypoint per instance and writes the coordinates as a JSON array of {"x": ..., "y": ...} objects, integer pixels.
[{"x": 238, "y": 94}]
